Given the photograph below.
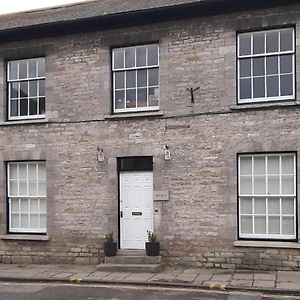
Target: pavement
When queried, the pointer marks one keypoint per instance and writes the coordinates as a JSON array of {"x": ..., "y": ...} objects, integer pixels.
[{"x": 274, "y": 282}]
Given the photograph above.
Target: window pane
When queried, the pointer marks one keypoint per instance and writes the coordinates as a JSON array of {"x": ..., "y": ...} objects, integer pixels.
[
  {"x": 274, "y": 206},
  {"x": 14, "y": 205},
  {"x": 245, "y": 88},
  {"x": 43, "y": 207},
  {"x": 33, "y": 106},
  {"x": 152, "y": 55},
  {"x": 15, "y": 221},
  {"x": 153, "y": 96},
  {"x": 286, "y": 39},
  {"x": 24, "y": 89},
  {"x": 32, "y": 68},
  {"x": 119, "y": 80},
  {"x": 287, "y": 205},
  {"x": 22, "y": 188},
  {"x": 43, "y": 222},
  {"x": 32, "y": 171},
  {"x": 34, "y": 221},
  {"x": 142, "y": 78},
  {"x": 130, "y": 57},
  {"x": 13, "y": 188},
  {"x": 23, "y": 171},
  {"x": 288, "y": 225},
  {"x": 24, "y": 221},
  {"x": 272, "y": 64},
  {"x": 245, "y": 44},
  {"x": 42, "y": 188},
  {"x": 153, "y": 77},
  {"x": 246, "y": 185},
  {"x": 259, "y": 185},
  {"x": 259, "y": 205},
  {"x": 287, "y": 165},
  {"x": 246, "y": 205},
  {"x": 34, "y": 205},
  {"x": 41, "y": 67},
  {"x": 258, "y": 43},
  {"x": 118, "y": 59},
  {"x": 274, "y": 225},
  {"x": 286, "y": 64},
  {"x": 286, "y": 82},
  {"x": 24, "y": 107},
  {"x": 130, "y": 79},
  {"x": 272, "y": 41},
  {"x": 13, "y": 70},
  {"x": 141, "y": 97},
  {"x": 119, "y": 99},
  {"x": 246, "y": 225},
  {"x": 42, "y": 171},
  {"x": 33, "y": 88},
  {"x": 22, "y": 69},
  {"x": 42, "y": 106},
  {"x": 260, "y": 225},
  {"x": 273, "y": 86},
  {"x": 141, "y": 56},
  {"x": 273, "y": 185},
  {"x": 246, "y": 165},
  {"x": 131, "y": 98},
  {"x": 13, "y": 171},
  {"x": 245, "y": 67},
  {"x": 259, "y": 87},
  {"x": 14, "y": 90},
  {"x": 14, "y": 108},
  {"x": 33, "y": 188},
  {"x": 41, "y": 87},
  {"x": 24, "y": 205},
  {"x": 287, "y": 183},
  {"x": 259, "y": 165},
  {"x": 258, "y": 66}
]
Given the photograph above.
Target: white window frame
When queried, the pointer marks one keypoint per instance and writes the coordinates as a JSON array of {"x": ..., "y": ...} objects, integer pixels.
[
  {"x": 28, "y": 79},
  {"x": 19, "y": 198},
  {"x": 264, "y": 55},
  {"x": 114, "y": 70},
  {"x": 266, "y": 196}
]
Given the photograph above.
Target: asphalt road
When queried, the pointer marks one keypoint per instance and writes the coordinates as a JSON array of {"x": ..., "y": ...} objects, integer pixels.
[{"x": 30, "y": 291}]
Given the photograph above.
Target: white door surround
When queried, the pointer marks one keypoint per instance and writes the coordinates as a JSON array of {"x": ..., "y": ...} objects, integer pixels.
[{"x": 136, "y": 208}]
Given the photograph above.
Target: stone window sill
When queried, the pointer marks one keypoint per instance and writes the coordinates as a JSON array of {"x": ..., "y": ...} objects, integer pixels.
[
  {"x": 134, "y": 115},
  {"x": 265, "y": 105},
  {"x": 267, "y": 244},
  {"x": 25, "y": 237},
  {"x": 24, "y": 122}
]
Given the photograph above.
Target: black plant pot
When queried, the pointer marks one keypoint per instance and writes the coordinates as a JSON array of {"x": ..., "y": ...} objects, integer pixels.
[
  {"x": 110, "y": 249},
  {"x": 152, "y": 248}
]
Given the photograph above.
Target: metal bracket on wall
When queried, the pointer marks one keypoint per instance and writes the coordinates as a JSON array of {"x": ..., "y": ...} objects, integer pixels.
[{"x": 192, "y": 90}]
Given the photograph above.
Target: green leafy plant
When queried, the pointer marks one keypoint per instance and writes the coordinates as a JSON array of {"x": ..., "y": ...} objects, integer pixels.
[
  {"x": 152, "y": 237},
  {"x": 109, "y": 238}
]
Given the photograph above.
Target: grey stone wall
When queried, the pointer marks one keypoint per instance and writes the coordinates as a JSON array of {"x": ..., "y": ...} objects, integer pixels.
[{"x": 198, "y": 225}]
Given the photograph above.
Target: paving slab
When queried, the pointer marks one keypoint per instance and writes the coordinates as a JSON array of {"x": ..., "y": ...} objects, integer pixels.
[
  {"x": 244, "y": 276},
  {"x": 241, "y": 283},
  {"x": 98, "y": 275},
  {"x": 63, "y": 275},
  {"x": 221, "y": 277},
  {"x": 265, "y": 276},
  {"x": 139, "y": 277},
  {"x": 117, "y": 276},
  {"x": 288, "y": 285},
  {"x": 264, "y": 284}
]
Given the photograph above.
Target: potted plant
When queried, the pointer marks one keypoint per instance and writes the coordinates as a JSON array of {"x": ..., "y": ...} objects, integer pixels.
[
  {"x": 152, "y": 246},
  {"x": 110, "y": 246}
]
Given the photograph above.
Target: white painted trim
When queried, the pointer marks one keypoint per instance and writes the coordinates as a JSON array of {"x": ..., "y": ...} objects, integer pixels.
[{"x": 267, "y": 244}]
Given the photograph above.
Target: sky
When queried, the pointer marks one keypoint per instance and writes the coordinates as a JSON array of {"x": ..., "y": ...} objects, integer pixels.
[{"x": 9, "y": 6}]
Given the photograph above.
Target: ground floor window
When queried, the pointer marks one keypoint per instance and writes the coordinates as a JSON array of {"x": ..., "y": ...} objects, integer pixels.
[
  {"x": 26, "y": 186},
  {"x": 267, "y": 196}
]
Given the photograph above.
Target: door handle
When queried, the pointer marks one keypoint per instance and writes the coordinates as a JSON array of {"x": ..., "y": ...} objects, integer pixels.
[
  {"x": 136, "y": 213},
  {"x": 121, "y": 214}
]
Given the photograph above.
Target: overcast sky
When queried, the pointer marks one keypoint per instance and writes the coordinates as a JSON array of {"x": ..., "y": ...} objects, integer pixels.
[{"x": 8, "y": 6}]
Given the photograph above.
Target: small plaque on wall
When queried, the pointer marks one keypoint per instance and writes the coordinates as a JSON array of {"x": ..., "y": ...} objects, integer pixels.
[{"x": 161, "y": 195}]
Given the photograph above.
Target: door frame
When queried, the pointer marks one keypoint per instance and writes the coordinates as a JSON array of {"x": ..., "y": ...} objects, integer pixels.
[{"x": 134, "y": 164}]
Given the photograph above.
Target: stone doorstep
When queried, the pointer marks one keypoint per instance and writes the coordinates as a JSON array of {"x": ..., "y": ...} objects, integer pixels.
[
  {"x": 133, "y": 259},
  {"x": 139, "y": 268}
]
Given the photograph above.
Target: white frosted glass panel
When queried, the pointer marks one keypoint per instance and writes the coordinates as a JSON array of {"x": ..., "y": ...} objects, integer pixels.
[
  {"x": 259, "y": 205},
  {"x": 287, "y": 165},
  {"x": 32, "y": 171},
  {"x": 15, "y": 221},
  {"x": 23, "y": 188},
  {"x": 13, "y": 188},
  {"x": 259, "y": 185},
  {"x": 24, "y": 221},
  {"x": 43, "y": 221},
  {"x": 34, "y": 205},
  {"x": 274, "y": 225},
  {"x": 288, "y": 225},
  {"x": 34, "y": 221},
  {"x": 13, "y": 171},
  {"x": 42, "y": 188},
  {"x": 24, "y": 205},
  {"x": 32, "y": 188},
  {"x": 246, "y": 225},
  {"x": 23, "y": 171},
  {"x": 43, "y": 206},
  {"x": 14, "y": 205},
  {"x": 259, "y": 165},
  {"x": 287, "y": 205},
  {"x": 274, "y": 206},
  {"x": 245, "y": 165},
  {"x": 42, "y": 171},
  {"x": 260, "y": 225},
  {"x": 273, "y": 185},
  {"x": 246, "y": 185},
  {"x": 273, "y": 165},
  {"x": 287, "y": 185},
  {"x": 246, "y": 205}
]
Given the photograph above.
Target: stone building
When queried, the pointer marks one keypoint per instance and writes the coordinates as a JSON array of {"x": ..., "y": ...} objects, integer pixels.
[{"x": 178, "y": 116}]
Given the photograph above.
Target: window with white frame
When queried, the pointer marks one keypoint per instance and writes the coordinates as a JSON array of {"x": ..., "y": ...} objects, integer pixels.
[
  {"x": 267, "y": 196},
  {"x": 26, "y": 185},
  {"x": 266, "y": 65},
  {"x": 135, "y": 78},
  {"x": 26, "y": 88}
]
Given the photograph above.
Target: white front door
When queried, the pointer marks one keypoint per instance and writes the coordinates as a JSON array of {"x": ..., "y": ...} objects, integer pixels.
[{"x": 136, "y": 208}]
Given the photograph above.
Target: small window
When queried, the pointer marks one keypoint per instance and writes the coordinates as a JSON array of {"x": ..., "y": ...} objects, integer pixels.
[
  {"x": 26, "y": 186},
  {"x": 135, "y": 78},
  {"x": 266, "y": 66},
  {"x": 26, "y": 88},
  {"x": 267, "y": 196}
]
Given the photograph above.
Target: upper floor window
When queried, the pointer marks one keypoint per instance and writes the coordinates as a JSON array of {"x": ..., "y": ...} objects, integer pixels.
[
  {"x": 26, "y": 88},
  {"x": 135, "y": 78},
  {"x": 266, "y": 65}
]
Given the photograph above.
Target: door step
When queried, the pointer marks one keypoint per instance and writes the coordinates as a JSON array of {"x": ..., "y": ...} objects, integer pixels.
[{"x": 132, "y": 263}]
